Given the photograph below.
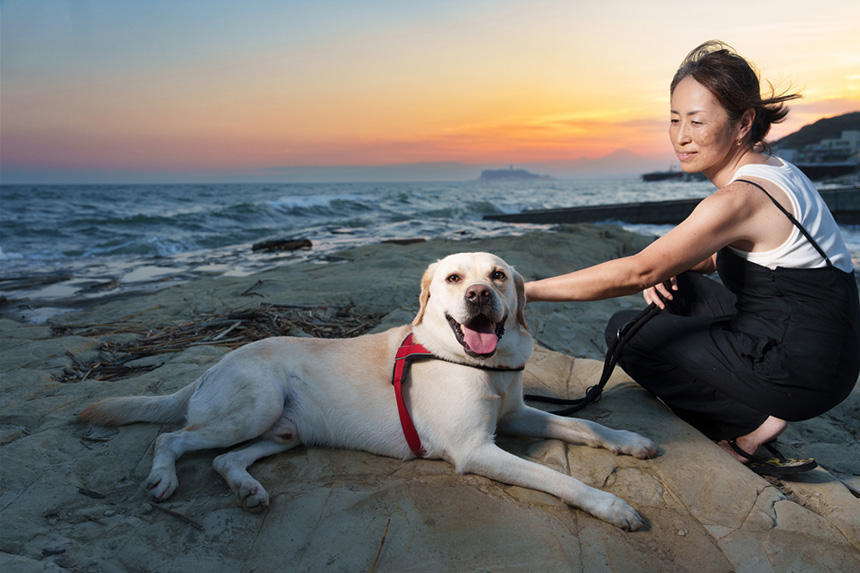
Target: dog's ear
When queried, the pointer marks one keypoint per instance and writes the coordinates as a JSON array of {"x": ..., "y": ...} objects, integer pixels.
[
  {"x": 520, "y": 285},
  {"x": 425, "y": 294}
]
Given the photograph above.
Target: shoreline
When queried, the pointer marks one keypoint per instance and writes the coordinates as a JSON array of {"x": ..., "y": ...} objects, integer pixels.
[
  {"x": 350, "y": 267},
  {"x": 39, "y": 297},
  {"x": 74, "y": 493}
]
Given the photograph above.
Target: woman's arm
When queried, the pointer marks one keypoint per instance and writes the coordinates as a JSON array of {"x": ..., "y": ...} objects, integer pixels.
[
  {"x": 717, "y": 221},
  {"x": 707, "y": 266}
]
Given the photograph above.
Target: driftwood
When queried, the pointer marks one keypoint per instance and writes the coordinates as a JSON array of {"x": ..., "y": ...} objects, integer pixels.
[
  {"x": 274, "y": 245},
  {"x": 405, "y": 241},
  {"x": 231, "y": 330}
]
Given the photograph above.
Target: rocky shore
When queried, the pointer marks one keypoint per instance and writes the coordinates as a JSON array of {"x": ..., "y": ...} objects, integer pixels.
[{"x": 71, "y": 495}]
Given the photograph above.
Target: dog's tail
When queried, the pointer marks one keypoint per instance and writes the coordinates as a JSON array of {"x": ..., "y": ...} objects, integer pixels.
[{"x": 129, "y": 409}]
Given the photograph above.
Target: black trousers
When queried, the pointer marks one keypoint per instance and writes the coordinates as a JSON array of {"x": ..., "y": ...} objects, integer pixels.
[{"x": 675, "y": 358}]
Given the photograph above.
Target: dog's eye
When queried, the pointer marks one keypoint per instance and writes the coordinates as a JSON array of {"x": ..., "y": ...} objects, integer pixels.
[
  {"x": 453, "y": 278},
  {"x": 498, "y": 276}
]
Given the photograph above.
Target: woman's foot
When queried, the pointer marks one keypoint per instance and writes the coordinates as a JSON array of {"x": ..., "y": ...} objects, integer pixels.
[
  {"x": 745, "y": 447},
  {"x": 776, "y": 465},
  {"x": 767, "y": 432}
]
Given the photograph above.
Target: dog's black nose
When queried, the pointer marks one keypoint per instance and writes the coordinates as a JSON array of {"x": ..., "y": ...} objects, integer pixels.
[{"x": 478, "y": 294}]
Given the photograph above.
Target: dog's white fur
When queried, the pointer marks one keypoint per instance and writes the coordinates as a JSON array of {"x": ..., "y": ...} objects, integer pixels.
[{"x": 285, "y": 391}]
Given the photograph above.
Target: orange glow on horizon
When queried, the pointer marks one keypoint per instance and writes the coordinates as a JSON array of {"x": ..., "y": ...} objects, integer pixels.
[{"x": 276, "y": 86}]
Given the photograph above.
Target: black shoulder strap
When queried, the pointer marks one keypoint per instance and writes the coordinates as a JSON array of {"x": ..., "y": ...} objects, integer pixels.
[{"x": 793, "y": 220}]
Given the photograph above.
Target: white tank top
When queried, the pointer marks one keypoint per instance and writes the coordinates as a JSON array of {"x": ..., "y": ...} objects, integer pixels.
[{"x": 811, "y": 211}]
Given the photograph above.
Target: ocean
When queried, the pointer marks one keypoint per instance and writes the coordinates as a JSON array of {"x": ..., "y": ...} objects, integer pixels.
[{"x": 59, "y": 243}]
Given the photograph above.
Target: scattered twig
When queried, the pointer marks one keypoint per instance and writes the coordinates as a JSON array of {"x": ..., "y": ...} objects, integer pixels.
[
  {"x": 247, "y": 292},
  {"x": 610, "y": 475},
  {"x": 381, "y": 543},
  {"x": 91, "y": 493},
  {"x": 177, "y": 515},
  {"x": 96, "y": 438},
  {"x": 243, "y": 326},
  {"x": 94, "y": 519},
  {"x": 220, "y": 336},
  {"x": 226, "y": 341},
  {"x": 90, "y": 371}
]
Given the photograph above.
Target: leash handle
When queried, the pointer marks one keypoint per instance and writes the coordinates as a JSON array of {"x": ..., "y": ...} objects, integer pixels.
[{"x": 613, "y": 353}]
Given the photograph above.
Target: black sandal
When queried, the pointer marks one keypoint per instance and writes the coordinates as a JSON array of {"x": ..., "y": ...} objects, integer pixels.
[{"x": 778, "y": 465}]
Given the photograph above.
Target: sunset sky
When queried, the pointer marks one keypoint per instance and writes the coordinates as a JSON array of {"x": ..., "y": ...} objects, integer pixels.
[{"x": 157, "y": 90}]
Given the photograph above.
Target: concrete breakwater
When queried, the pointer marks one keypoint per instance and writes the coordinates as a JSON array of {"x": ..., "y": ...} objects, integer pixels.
[{"x": 843, "y": 202}]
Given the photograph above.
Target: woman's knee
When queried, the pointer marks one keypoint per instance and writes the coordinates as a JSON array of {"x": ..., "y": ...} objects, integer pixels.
[
  {"x": 698, "y": 295},
  {"x": 616, "y": 323}
]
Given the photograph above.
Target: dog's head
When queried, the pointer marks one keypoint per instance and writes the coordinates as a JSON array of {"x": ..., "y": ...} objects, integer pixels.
[{"x": 469, "y": 302}]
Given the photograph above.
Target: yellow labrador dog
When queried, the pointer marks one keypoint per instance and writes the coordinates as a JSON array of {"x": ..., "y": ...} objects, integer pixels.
[{"x": 282, "y": 392}]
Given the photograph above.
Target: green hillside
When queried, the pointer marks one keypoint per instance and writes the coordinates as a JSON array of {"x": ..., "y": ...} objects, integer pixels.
[{"x": 827, "y": 128}]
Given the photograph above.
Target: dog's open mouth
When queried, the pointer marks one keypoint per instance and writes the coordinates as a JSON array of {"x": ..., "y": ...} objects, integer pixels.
[{"x": 480, "y": 336}]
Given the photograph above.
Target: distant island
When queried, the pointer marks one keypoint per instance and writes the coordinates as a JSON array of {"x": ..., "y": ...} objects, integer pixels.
[{"x": 509, "y": 174}]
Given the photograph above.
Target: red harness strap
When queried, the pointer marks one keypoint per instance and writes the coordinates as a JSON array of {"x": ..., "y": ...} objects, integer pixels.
[{"x": 408, "y": 351}]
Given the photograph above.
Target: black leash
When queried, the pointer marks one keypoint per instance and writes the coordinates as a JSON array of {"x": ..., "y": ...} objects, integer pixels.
[{"x": 613, "y": 353}]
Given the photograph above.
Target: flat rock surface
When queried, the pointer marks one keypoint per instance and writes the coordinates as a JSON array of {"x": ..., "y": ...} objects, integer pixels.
[{"x": 71, "y": 495}]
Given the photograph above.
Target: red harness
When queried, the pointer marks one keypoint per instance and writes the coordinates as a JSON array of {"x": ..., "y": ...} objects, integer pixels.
[{"x": 410, "y": 350}]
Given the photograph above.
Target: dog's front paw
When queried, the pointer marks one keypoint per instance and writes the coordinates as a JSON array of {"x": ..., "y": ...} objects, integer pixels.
[
  {"x": 625, "y": 517},
  {"x": 161, "y": 483},
  {"x": 633, "y": 444},
  {"x": 620, "y": 514}
]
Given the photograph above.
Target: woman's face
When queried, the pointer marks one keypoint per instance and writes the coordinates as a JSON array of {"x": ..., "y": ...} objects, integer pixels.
[{"x": 701, "y": 133}]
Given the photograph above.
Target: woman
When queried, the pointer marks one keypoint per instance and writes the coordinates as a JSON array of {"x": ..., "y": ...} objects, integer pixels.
[{"x": 781, "y": 340}]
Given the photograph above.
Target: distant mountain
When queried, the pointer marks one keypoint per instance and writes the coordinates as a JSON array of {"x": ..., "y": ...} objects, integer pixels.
[
  {"x": 620, "y": 161},
  {"x": 827, "y": 128}
]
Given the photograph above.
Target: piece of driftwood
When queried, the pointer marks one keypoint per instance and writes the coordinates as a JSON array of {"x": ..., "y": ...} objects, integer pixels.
[
  {"x": 181, "y": 516},
  {"x": 275, "y": 245},
  {"x": 406, "y": 241}
]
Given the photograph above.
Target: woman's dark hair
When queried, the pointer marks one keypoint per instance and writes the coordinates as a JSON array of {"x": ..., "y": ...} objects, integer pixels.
[{"x": 735, "y": 84}]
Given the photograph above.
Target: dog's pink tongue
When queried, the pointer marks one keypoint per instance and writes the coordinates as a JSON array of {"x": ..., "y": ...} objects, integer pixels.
[{"x": 480, "y": 341}]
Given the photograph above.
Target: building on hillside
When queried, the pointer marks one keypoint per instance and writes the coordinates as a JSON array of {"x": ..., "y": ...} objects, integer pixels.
[
  {"x": 844, "y": 149},
  {"x": 828, "y": 158}
]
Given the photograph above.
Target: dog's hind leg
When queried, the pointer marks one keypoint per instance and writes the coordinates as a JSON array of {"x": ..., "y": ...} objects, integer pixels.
[
  {"x": 216, "y": 420},
  {"x": 162, "y": 480},
  {"x": 233, "y": 465}
]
